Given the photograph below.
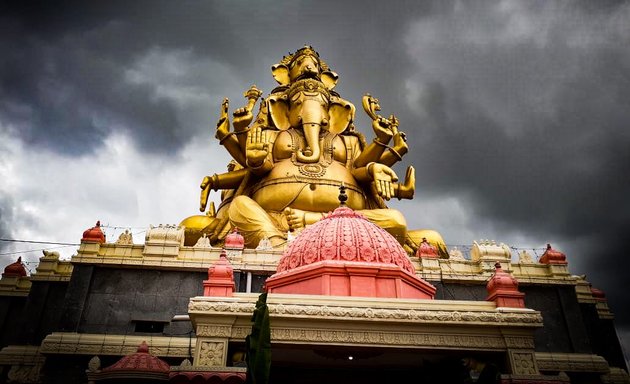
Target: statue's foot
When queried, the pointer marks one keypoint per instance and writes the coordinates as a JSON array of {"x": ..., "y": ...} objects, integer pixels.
[{"x": 295, "y": 218}]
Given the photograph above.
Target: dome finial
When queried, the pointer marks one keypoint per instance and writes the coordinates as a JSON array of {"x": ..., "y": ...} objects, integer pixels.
[{"x": 342, "y": 195}]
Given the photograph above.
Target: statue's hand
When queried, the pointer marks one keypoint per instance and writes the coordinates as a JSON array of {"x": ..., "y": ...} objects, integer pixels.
[
  {"x": 205, "y": 186},
  {"x": 382, "y": 129},
  {"x": 241, "y": 118},
  {"x": 244, "y": 116},
  {"x": 383, "y": 178},
  {"x": 257, "y": 147},
  {"x": 223, "y": 125},
  {"x": 400, "y": 143}
]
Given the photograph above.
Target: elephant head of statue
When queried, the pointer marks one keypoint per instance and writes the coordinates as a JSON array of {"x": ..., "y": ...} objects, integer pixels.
[{"x": 306, "y": 100}]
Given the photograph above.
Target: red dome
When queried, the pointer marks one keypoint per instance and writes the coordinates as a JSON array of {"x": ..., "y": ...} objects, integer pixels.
[
  {"x": 15, "y": 269},
  {"x": 140, "y": 361},
  {"x": 347, "y": 236},
  {"x": 94, "y": 234}
]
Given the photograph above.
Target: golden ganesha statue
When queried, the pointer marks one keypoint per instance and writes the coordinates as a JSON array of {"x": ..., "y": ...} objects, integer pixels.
[{"x": 290, "y": 160}]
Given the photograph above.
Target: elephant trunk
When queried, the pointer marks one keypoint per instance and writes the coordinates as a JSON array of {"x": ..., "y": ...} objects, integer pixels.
[{"x": 312, "y": 118}]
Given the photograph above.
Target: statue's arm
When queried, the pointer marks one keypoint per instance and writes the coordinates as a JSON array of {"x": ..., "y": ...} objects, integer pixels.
[
  {"x": 375, "y": 149},
  {"x": 395, "y": 152},
  {"x": 226, "y": 138},
  {"x": 228, "y": 180},
  {"x": 242, "y": 117}
]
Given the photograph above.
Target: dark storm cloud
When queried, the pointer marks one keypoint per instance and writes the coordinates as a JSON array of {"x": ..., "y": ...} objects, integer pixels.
[
  {"x": 524, "y": 111},
  {"x": 63, "y": 73}
]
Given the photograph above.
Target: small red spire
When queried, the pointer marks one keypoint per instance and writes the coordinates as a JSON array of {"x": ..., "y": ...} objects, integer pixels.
[
  {"x": 15, "y": 269},
  {"x": 551, "y": 256},
  {"x": 234, "y": 240},
  {"x": 94, "y": 234},
  {"x": 143, "y": 347},
  {"x": 598, "y": 294},
  {"x": 426, "y": 250},
  {"x": 503, "y": 289},
  {"x": 220, "y": 278}
]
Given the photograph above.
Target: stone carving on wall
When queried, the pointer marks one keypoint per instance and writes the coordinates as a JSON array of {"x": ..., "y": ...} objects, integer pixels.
[
  {"x": 125, "y": 238},
  {"x": 203, "y": 242},
  {"x": 523, "y": 363},
  {"x": 456, "y": 254},
  {"x": 165, "y": 234},
  {"x": 94, "y": 365},
  {"x": 489, "y": 249},
  {"x": 525, "y": 258},
  {"x": 211, "y": 353},
  {"x": 24, "y": 373}
]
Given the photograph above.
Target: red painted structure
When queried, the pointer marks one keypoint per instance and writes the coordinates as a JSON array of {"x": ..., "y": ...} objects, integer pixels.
[
  {"x": 503, "y": 289},
  {"x": 344, "y": 254},
  {"x": 94, "y": 234},
  {"x": 426, "y": 250},
  {"x": 15, "y": 269},
  {"x": 220, "y": 278},
  {"x": 551, "y": 256}
]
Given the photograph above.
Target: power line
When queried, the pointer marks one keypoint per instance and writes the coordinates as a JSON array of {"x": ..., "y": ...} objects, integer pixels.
[{"x": 37, "y": 242}]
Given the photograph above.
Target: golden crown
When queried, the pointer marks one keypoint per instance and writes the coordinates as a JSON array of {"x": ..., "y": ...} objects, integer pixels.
[{"x": 307, "y": 50}]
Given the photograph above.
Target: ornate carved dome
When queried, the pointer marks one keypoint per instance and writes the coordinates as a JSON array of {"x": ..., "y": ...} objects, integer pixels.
[
  {"x": 141, "y": 361},
  {"x": 347, "y": 236},
  {"x": 15, "y": 269}
]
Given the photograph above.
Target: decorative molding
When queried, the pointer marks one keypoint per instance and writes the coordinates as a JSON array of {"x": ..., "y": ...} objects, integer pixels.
[
  {"x": 368, "y": 313},
  {"x": 20, "y": 354},
  {"x": 571, "y": 362},
  {"x": 387, "y": 338},
  {"x": 214, "y": 330},
  {"x": 375, "y": 337},
  {"x": 116, "y": 345}
]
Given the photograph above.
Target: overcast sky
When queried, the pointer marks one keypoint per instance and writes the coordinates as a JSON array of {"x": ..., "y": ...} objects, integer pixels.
[{"x": 517, "y": 114}]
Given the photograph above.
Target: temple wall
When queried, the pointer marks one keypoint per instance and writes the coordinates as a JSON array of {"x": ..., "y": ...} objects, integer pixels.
[
  {"x": 113, "y": 301},
  {"x": 11, "y": 317},
  {"x": 43, "y": 310}
]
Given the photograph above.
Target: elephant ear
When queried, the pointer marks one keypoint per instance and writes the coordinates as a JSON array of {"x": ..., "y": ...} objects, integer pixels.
[
  {"x": 341, "y": 114},
  {"x": 329, "y": 79},
  {"x": 279, "y": 112},
  {"x": 280, "y": 72}
]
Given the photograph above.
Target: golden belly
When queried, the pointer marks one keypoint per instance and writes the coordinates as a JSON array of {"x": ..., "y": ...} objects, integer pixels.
[{"x": 287, "y": 186}]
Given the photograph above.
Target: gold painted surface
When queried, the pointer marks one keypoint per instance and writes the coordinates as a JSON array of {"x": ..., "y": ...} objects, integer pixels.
[{"x": 290, "y": 159}]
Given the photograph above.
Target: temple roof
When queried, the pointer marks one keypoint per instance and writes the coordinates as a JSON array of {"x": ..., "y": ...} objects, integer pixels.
[
  {"x": 140, "y": 361},
  {"x": 347, "y": 236}
]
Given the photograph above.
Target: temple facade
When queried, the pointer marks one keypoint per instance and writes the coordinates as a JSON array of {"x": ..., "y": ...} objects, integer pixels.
[
  {"x": 303, "y": 274},
  {"x": 71, "y": 320}
]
